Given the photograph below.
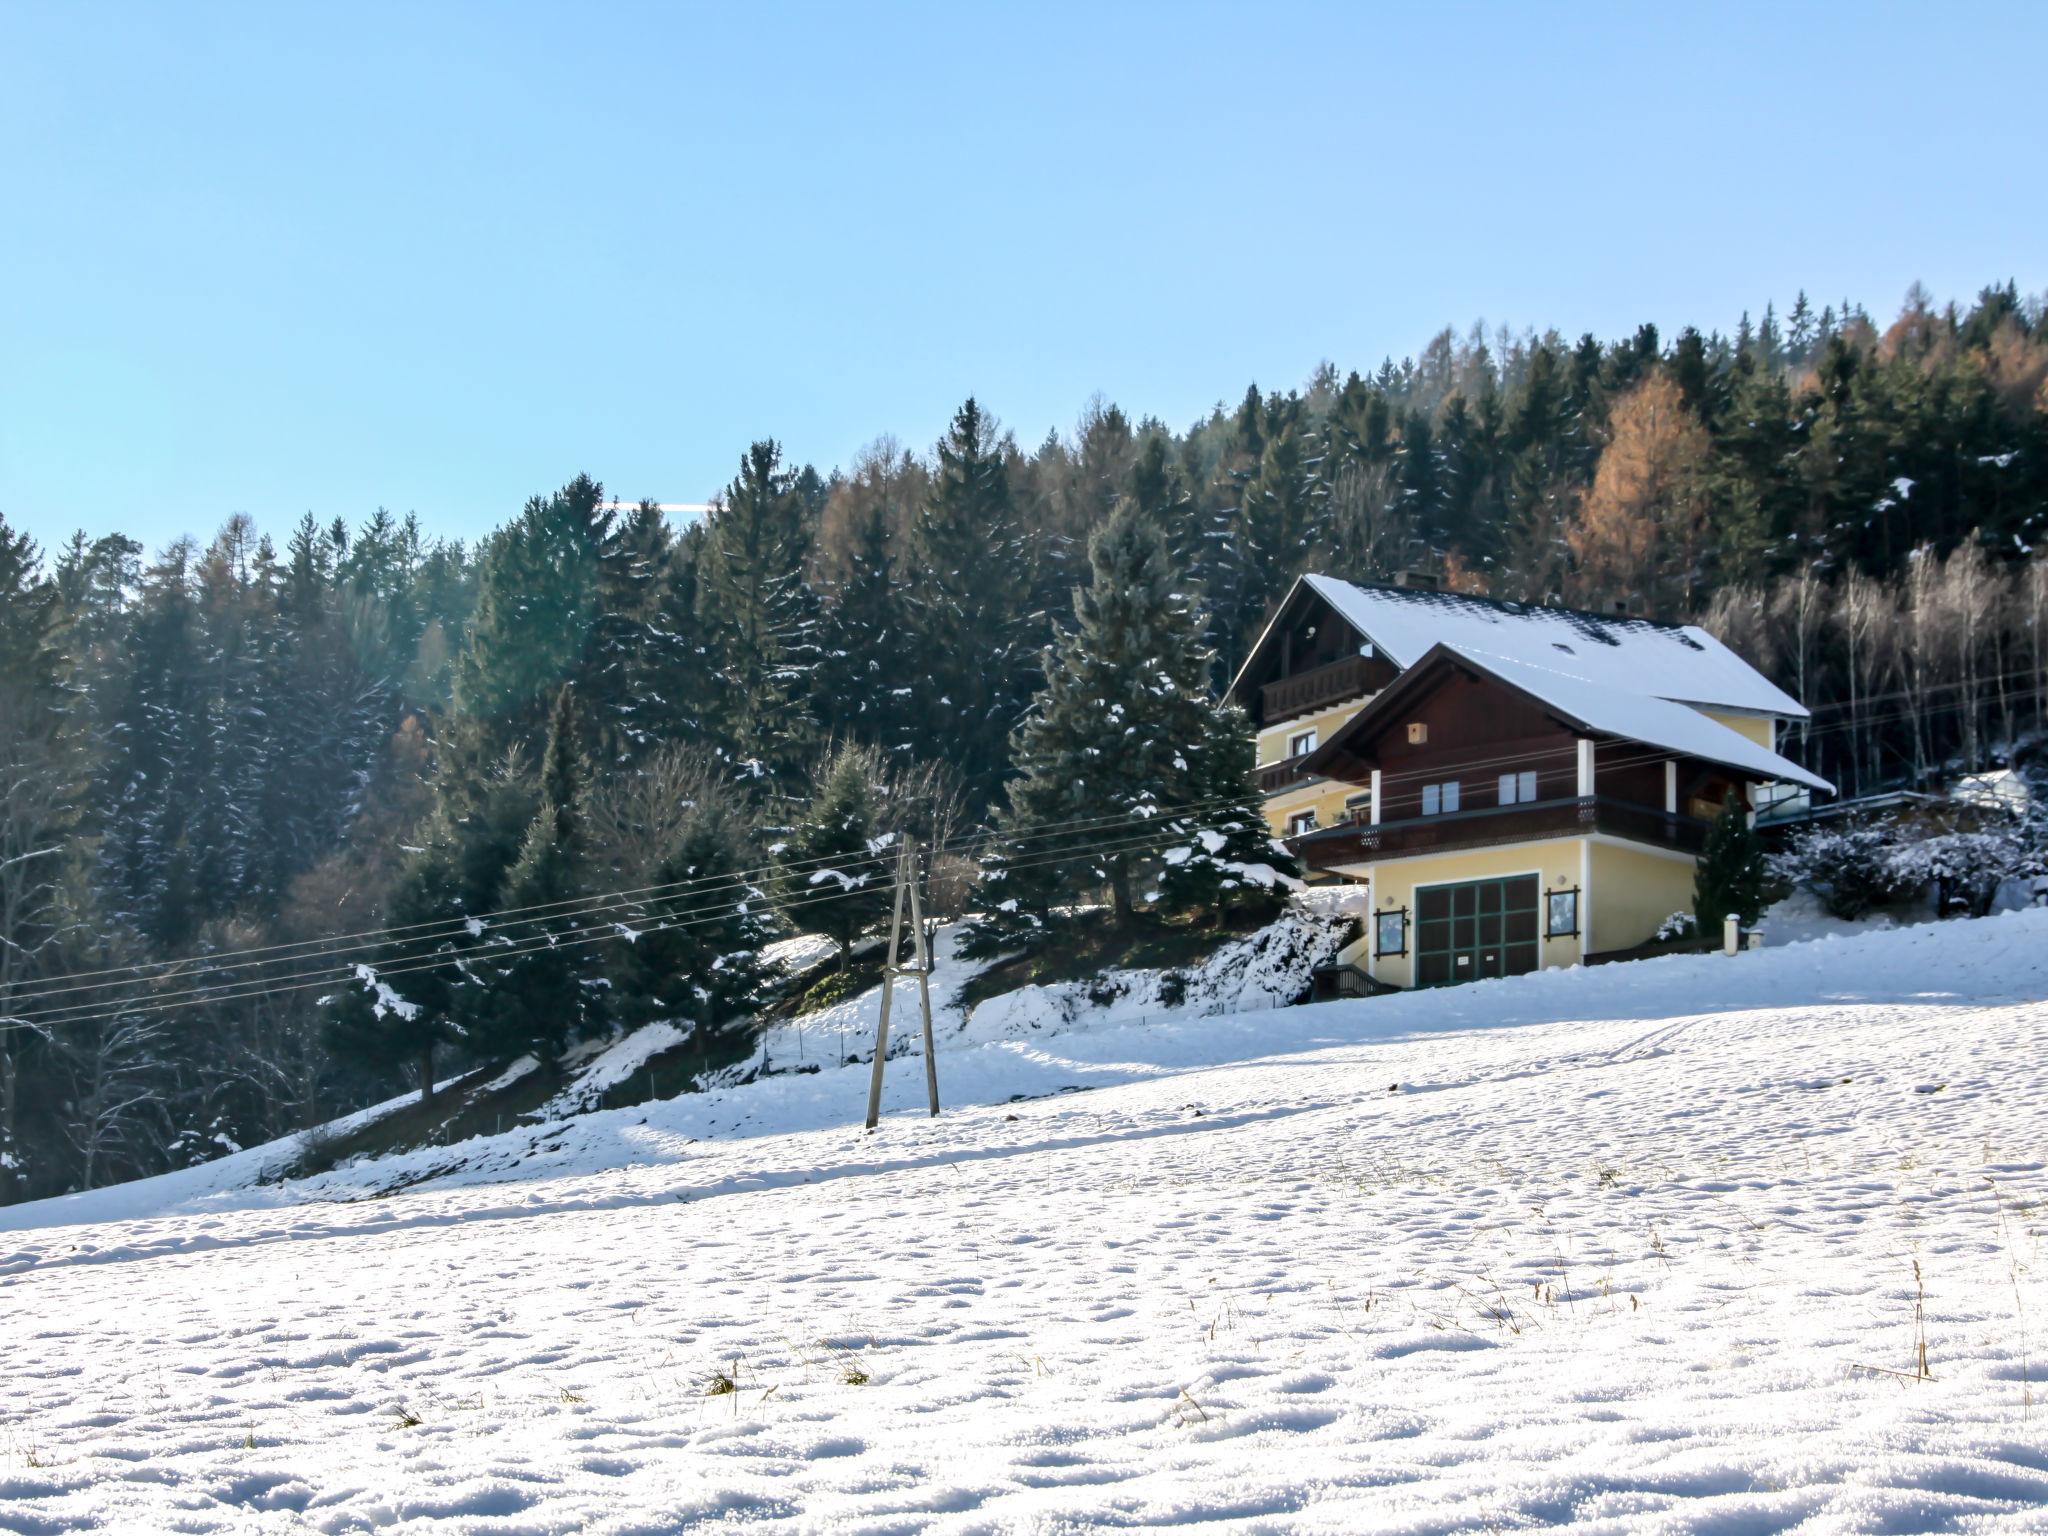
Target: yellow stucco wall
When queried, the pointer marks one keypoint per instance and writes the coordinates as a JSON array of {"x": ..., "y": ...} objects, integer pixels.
[
  {"x": 1273, "y": 739},
  {"x": 1757, "y": 728},
  {"x": 1557, "y": 863},
  {"x": 1634, "y": 890},
  {"x": 1325, "y": 796}
]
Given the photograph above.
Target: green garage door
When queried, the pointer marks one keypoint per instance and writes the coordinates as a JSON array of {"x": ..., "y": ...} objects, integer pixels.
[{"x": 1478, "y": 928}]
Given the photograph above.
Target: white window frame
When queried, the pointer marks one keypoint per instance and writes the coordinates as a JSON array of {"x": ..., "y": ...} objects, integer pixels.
[
  {"x": 1518, "y": 788},
  {"x": 1301, "y": 742},
  {"x": 1299, "y": 822}
]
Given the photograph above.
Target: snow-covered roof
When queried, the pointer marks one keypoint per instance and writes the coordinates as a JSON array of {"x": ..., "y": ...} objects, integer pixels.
[
  {"x": 1681, "y": 662},
  {"x": 1655, "y": 722}
]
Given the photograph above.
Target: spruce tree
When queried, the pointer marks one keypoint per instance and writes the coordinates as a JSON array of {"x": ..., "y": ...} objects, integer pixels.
[
  {"x": 1125, "y": 759},
  {"x": 759, "y": 618},
  {"x": 539, "y": 598},
  {"x": 1731, "y": 871},
  {"x": 693, "y": 949},
  {"x": 401, "y": 1009},
  {"x": 868, "y": 658},
  {"x": 971, "y": 580},
  {"x": 540, "y": 974},
  {"x": 834, "y": 876}
]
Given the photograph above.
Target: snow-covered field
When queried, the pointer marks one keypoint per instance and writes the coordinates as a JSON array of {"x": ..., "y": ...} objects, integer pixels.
[{"x": 1657, "y": 1247}]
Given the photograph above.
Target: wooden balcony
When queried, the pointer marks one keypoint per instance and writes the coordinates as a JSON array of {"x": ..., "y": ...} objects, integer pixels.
[
  {"x": 1359, "y": 842},
  {"x": 1275, "y": 777},
  {"x": 1348, "y": 677}
]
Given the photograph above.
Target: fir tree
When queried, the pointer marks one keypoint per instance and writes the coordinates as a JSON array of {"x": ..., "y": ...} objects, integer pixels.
[
  {"x": 1125, "y": 759},
  {"x": 971, "y": 575},
  {"x": 759, "y": 617},
  {"x": 694, "y": 949},
  {"x": 541, "y": 973},
  {"x": 1731, "y": 872},
  {"x": 402, "y": 1009},
  {"x": 833, "y": 877},
  {"x": 869, "y": 655},
  {"x": 537, "y": 601}
]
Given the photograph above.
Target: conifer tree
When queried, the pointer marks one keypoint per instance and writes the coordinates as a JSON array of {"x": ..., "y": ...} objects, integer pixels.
[
  {"x": 834, "y": 877},
  {"x": 866, "y": 669},
  {"x": 694, "y": 950},
  {"x": 1731, "y": 871},
  {"x": 1125, "y": 758},
  {"x": 401, "y": 1010},
  {"x": 759, "y": 617},
  {"x": 537, "y": 600},
  {"x": 540, "y": 974},
  {"x": 971, "y": 579}
]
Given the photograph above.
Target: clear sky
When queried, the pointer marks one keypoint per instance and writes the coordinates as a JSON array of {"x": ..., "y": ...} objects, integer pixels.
[{"x": 438, "y": 257}]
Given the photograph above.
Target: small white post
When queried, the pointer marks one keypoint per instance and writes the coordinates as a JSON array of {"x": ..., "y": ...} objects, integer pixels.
[
  {"x": 1375, "y": 797},
  {"x": 1585, "y": 767},
  {"x": 1671, "y": 786},
  {"x": 1731, "y": 932}
]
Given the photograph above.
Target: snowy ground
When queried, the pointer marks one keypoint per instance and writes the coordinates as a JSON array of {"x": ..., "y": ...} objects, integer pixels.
[{"x": 1624, "y": 1249}]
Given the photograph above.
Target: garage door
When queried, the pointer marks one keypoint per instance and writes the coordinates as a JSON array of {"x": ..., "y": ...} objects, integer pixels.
[{"x": 1473, "y": 929}]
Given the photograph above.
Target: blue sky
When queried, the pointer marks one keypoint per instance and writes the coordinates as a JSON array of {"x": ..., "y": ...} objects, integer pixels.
[{"x": 438, "y": 257}]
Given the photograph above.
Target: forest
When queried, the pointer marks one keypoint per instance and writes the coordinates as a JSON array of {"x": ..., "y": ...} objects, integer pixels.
[{"x": 217, "y": 758}]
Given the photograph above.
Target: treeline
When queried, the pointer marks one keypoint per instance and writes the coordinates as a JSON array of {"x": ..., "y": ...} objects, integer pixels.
[{"x": 214, "y": 750}]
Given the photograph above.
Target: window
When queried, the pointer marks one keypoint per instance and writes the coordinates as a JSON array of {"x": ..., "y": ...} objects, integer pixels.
[
  {"x": 1517, "y": 788},
  {"x": 1300, "y": 822},
  {"x": 1439, "y": 799},
  {"x": 1390, "y": 932},
  {"x": 1561, "y": 911},
  {"x": 1300, "y": 742},
  {"x": 1358, "y": 807}
]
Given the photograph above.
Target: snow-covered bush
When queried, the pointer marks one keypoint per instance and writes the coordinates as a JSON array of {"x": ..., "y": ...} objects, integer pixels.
[
  {"x": 1854, "y": 870},
  {"x": 1679, "y": 925},
  {"x": 1849, "y": 868},
  {"x": 1967, "y": 868}
]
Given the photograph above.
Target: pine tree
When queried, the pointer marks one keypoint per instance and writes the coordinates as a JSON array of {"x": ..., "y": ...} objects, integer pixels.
[
  {"x": 971, "y": 578},
  {"x": 537, "y": 602},
  {"x": 1125, "y": 759},
  {"x": 759, "y": 618},
  {"x": 541, "y": 973},
  {"x": 833, "y": 876},
  {"x": 1731, "y": 871},
  {"x": 401, "y": 1010},
  {"x": 694, "y": 950},
  {"x": 869, "y": 655}
]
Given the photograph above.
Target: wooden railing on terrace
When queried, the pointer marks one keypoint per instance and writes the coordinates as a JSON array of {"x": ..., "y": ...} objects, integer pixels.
[{"x": 1359, "y": 842}]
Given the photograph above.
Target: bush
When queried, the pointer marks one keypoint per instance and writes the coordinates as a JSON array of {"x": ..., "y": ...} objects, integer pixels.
[
  {"x": 1966, "y": 868},
  {"x": 1851, "y": 869}
]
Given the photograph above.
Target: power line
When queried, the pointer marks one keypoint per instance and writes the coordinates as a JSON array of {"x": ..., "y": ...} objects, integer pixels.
[
  {"x": 143, "y": 973},
  {"x": 233, "y": 991},
  {"x": 453, "y": 927}
]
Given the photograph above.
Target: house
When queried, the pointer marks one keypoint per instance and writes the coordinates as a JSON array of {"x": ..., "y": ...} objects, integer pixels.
[{"x": 1519, "y": 786}]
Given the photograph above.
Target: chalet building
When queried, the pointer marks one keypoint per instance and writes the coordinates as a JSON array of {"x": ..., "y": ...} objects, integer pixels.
[{"x": 1520, "y": 787}]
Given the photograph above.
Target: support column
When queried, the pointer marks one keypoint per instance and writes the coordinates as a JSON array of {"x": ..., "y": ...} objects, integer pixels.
[
  {"x": 1585, "y": 767},
  {"x": 1375, "y": 797},
  {"x": 1671, "y": 785}
]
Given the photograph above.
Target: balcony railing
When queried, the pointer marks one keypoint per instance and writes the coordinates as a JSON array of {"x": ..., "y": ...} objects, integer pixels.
[
  {"x": 1348, "y": 677},
  {"x": 1360, "y": 842},
  {"x": 1275, "y": 777}
]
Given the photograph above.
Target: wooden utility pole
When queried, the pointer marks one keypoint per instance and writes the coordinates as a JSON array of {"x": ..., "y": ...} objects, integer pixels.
[{"x": 906, "y": 882}]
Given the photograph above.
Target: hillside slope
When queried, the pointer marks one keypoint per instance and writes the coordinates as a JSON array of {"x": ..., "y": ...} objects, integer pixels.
[{"x": 1663, "y": 1246}]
